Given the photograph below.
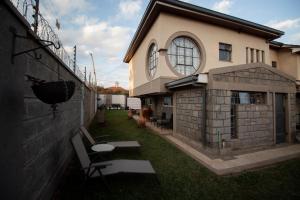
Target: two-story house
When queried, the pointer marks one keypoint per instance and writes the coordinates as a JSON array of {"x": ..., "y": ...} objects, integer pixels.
[{"x": 223, "y": 80}]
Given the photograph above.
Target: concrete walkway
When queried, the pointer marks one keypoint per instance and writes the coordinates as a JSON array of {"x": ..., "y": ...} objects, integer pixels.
[
  {"x": 242, "y": 162},
  {"x": 239, "y": 163}
]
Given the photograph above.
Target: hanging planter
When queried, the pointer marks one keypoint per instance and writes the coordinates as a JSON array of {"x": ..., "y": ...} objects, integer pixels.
[{"x": 54, "y": 92}]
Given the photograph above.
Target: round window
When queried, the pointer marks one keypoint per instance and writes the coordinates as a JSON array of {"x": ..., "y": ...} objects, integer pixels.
[
  {"x": 152, "y": 60},
  {"x": 184, "y": 55}
]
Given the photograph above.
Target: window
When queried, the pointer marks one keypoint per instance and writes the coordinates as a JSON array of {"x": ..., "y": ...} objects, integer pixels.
[
  {"x": 225, "y": 52},
  {"x": 274, "y": 64},
  {"x": 248, "y": 97},
  {"x": 252, "y": 55},
  {"x": 148, "y": 101},
  {"x": 238, "y": 97},
  {"x": 257, "y": 55},
  {"x": 152, "y": 60},
  {"x": 168, "y": 101},
  {"x": 184, "y": 55},
  {"x": 263, "y": 56},
  {"x": 247, "y": 58}
]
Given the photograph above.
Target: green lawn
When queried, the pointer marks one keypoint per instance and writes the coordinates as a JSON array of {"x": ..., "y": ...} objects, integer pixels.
[{"x": 179, "y": 175}]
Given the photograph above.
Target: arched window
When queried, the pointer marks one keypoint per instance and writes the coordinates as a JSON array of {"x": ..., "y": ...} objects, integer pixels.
[
  {"x": 152, "y": 60},
  {"x": 184, "y": 55}
]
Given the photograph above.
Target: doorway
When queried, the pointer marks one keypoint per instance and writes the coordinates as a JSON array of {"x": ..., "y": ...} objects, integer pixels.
[{"x": 280, "y": 116}]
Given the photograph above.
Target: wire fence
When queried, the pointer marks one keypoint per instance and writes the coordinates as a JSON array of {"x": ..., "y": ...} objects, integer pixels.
[{"x": 29, "y": 10}]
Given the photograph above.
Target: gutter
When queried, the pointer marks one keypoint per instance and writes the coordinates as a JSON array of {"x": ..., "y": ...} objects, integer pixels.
[
  {"x": 193, "y": 80},
  {"x": 182, "y": 82}
]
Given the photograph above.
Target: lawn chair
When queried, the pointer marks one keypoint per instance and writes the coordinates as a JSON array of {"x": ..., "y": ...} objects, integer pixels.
[
  {"x": 112, "y": 167},
  {"x": 117, "y": 144}
]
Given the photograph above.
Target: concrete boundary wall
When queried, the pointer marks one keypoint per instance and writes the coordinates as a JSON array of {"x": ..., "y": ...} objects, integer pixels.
[{"x": 34, "y": 145}]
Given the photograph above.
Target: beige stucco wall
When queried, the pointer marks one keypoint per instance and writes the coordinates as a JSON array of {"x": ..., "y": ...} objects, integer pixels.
[
  {"x": 298, "y": 67},
  {"x": 137, "y": 71},
  {"x": 209, "y": 35},
  {"x": 274, "y": 56},
  {"x": 286, "y": 61}
]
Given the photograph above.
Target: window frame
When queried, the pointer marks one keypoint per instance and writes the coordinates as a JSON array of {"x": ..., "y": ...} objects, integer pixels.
[
  {"x": 227, "y": 50},
  {"x": 171, "y": 101},
  {"x": 274, "y": 64},
  {"x": 183, "y": 66},
  {"x": 251, "y": 55},
  {"x": 152, "y": 60},
  {"x": 236, "y": 100}
]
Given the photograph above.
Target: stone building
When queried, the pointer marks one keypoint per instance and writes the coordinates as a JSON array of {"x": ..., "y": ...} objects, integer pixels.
[{"x": 224, "y": 81}]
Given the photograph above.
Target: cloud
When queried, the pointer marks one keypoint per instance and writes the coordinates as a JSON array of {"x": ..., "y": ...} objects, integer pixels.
[
  {"x": 130, "y": 8},
  {"x": 65, "y": 7},
  {"x": 99, "y": 37},
  {"x": 223, "y": 6},
  {"x": 107, "y": 42},
  {"x": 295, "y": 38},
  {"x": 285, "y": 24}
]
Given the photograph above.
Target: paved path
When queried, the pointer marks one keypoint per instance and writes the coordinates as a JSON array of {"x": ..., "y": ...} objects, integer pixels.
[{"x": 241, "y": 162}]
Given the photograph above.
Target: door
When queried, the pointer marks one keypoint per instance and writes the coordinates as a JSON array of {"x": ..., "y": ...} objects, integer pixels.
[{"x": 280, "y": 118}]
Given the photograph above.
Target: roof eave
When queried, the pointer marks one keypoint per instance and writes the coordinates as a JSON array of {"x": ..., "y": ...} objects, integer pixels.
[{"x": 192, "y": 11}]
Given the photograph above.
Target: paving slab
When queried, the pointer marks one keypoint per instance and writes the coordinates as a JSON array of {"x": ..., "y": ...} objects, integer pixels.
[
  {"x": 238, "y": 163},
  {"x": 242, "y": 162}
]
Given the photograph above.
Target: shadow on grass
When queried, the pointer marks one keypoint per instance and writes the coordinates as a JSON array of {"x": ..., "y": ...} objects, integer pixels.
[{"x": 179, "y": 175}]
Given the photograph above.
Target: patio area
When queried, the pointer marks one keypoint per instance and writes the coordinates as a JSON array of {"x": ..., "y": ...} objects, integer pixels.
[{"x": 180, "y": 176}]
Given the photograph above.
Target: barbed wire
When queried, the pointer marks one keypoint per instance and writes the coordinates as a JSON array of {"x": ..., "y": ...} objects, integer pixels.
[{"x": 45, "y": 32}]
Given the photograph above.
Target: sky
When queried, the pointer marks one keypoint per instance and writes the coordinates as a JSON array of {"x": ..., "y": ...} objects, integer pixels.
[{"x": 106, "y": 27}]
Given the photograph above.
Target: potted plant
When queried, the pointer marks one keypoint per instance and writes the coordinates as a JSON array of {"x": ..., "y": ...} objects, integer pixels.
[
  {"x": 54, "y": 92},
  {"x": 142, "y": 122},
  {"x": 130, "y": 114}
]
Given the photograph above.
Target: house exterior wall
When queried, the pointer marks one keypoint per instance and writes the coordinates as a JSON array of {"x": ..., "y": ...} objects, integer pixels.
[
  {"x": 189, "y": 113},
  {"x": 218, "y": 116},
  {"x": 286, "y": 61},
  {"x": 208, "y": 35},
  {"x": 137, "y": 65},
  {"x": 274, "y": 55},
  {"x": 254, "y": 126},
  {"x": 255, "y": 123}
]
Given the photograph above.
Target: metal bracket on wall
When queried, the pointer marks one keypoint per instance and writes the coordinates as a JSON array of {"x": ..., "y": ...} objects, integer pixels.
[{"x": 36, "y": 56}]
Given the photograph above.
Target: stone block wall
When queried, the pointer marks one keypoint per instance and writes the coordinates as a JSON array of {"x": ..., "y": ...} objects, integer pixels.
[
  {"x": 255, "y": 76},
  {"x": 189, "y": 113},
  {"x": 89, "y": 105},
  {"x": 254, "y": 126},
  {"x": 35, "y": 146},
  {"x": 293, "y": 114},
  {"x": 218, "y": 116},
  {"x": 297, "y": 118}
]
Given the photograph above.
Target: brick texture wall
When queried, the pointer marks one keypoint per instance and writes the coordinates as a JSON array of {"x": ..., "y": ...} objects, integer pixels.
[
  {"x": 34, "y": 145},
  {"x": 254, "y": 122},
  {"x": 189, "y": 113},
  {"x": 218, "y": 116},
  {"x": 254, "y": 126},
  {"x": 255, "y": 76}
]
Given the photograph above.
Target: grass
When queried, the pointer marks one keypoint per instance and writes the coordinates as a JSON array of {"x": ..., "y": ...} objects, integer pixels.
[{"x": 180, "y": 176}]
